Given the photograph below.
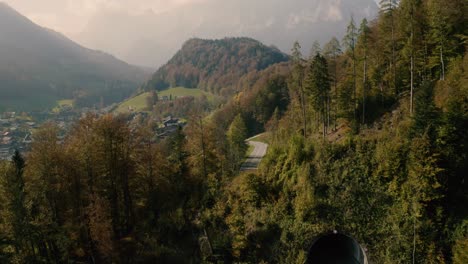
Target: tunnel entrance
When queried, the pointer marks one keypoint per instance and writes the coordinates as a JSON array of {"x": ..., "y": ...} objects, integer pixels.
[{"x": 336, "y": 249}]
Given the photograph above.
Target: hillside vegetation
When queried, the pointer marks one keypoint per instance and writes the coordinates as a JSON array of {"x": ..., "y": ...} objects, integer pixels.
[
  {"x": 367, "y": 136},
  {"x": 214, "y": 65},
  {"x": 141, "y": 101},
  {"x": 39, "y": 66}
]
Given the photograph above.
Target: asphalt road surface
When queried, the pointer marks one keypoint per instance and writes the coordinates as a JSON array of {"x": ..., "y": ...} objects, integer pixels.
[{"x": 253, "y": 160}]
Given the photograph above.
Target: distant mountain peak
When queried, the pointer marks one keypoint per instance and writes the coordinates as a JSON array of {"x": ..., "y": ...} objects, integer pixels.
[
  {"x": 276, "y": 22},
  {"x": 4, "y": 5},
  {"x": 7, "y": 11},
  {"x": 39, "y": 66},
  {"x": 223, "y": 41},
  {"x": 215, "y": 65}
]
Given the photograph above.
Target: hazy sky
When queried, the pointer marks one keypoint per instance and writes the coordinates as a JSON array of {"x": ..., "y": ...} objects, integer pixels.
[
  {"x": 149, "y": 32},
  {"x": 71, "y": 16}
]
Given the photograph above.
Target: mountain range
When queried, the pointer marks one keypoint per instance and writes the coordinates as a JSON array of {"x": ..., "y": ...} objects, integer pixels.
[
  {"x": 39, "y": 66},
  {"x": 150, "y": 38}
]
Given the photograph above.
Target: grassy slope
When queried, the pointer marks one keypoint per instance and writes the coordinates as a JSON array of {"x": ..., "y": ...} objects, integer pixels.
[
  {"x": 65, "y": 102},
  {"x": 61, "y": 104},
  {"x": 138, "y": 103},
  {"x": 181, "y": 91}
]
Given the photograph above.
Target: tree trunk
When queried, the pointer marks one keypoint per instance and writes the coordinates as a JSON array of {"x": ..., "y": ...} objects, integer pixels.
[
  {"x": 364, "y": 91},
  {"x": 328, "y": 111},
  {"x": 412, "y": 64},
  {"x": 442, "y": 64},
  {"x": 393, "y": 55},
  {"x": 414, "y": 240},
  {"x": 355, "y": 87},
  {"x": 426, "y": 61},
  {"x": 336, "y": 91},
  {"x": 412, "y": 85},
  {"x": 381, "y": 93},
  {"x": 127, "y": 199},
  {"x": 203, "y": 147},
  {"x": 303, "y": 106},
  {"x": 324, "y": 119}
]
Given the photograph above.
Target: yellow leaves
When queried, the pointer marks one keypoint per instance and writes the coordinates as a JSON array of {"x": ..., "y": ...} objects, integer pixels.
[
  {"x": 434, "y": 256},
  {"x": 454, "y": 90},
  {"x": 239, "y": 242},
  {"x": 460, "y": 251},
  {"x": 304, "y": 201},
  {"x": 423, "y": 171},
  {"x": 100, "y": 225},
  {"x": 236, "y": 221}
]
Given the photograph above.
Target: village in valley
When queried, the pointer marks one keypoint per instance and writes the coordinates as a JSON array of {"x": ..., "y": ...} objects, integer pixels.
[
  {"x": 17, "y": 129},
  {"x": 15, "y": 133}
]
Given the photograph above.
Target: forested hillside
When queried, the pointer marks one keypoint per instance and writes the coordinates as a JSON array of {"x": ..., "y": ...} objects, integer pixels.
[
  {"x": 214, "y": 65},
  {"x": 39, "y": 66},
  {"x": 368, "y": 136}
]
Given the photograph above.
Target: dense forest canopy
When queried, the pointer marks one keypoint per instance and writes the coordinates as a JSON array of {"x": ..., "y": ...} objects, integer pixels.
[{"x": 368, "y": 136}]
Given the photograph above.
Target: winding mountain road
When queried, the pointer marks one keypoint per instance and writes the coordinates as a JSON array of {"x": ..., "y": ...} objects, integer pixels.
[{"x": 254, "y": 159}]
